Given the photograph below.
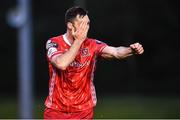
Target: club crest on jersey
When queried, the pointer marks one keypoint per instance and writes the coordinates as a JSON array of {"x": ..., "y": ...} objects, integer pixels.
[{"x": 85, "y": 52}]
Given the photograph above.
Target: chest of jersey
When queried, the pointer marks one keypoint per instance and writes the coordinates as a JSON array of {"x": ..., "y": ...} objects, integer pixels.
[{"x": 84, "y": 56}]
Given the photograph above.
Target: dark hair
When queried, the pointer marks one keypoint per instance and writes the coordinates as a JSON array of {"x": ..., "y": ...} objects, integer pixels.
[{"x": 72, "y": 12}]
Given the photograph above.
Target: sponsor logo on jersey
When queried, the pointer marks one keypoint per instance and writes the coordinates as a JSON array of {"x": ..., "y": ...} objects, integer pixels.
[{"x": 78, "y": 64}]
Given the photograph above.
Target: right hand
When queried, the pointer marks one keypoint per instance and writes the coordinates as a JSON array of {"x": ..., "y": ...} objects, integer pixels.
[{"x": 81, "y": 31}]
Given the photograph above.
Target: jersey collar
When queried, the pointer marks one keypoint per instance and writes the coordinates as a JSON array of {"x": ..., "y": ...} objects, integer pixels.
[{"x": 66, "y": 40}]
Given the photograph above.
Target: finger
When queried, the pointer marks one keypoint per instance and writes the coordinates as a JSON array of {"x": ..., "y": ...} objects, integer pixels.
[
  {"x": 79, "y": 28},
  {"x": 137, "y": 45},
  {"x": 135, "y": 50},
  {"x": 73, "y": 31},
  {"x": 132, "y": 46},
  {"x": 140, "y": 51},
  {"x": 139, "y": 48},
  {"x": 81, "y": 24},
  {"x": 82, "y": 27},
  {"x": 85, "y": 20},
  {"x": 85, "y": 32},
  {"x": 85, "y": 29}
]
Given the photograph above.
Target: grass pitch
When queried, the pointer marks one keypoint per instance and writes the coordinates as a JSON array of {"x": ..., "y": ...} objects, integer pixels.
[{"x": 108, "y": 107}]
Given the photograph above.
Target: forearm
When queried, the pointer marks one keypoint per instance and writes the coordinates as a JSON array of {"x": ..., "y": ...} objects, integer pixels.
[
  {"x": 123, "y": 52},
  {"x": 116, "y": 52},
  {"x": 63, "y": 61}
]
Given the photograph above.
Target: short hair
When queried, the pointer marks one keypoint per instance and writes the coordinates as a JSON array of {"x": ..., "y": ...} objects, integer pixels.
[{"x": 72, "y": 12}]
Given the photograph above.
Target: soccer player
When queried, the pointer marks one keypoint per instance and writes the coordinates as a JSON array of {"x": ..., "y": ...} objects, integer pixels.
[{"x": 72, "y": 57}]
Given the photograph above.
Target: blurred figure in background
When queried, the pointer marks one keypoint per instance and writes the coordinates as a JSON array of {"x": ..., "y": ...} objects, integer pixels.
[{"x": 72, "y": 57}]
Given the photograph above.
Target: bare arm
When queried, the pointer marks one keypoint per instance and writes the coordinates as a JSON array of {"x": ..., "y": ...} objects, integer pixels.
[
  {"x": 63, "y": 61},
  {"x": 122, "y": 52}
]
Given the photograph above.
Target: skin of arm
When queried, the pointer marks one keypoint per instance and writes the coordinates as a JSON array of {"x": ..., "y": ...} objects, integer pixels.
[{"x": 122, "y": 52}]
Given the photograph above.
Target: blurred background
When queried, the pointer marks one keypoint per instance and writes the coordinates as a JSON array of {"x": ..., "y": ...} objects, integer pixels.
[{"x": 145, "y": 86}]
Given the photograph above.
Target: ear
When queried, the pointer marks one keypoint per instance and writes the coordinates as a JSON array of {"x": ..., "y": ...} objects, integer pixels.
[{"x": 70, "y": 25}]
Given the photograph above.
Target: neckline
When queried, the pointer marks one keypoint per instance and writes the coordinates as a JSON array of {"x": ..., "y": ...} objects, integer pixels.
[{"x": 66, "y": 40}]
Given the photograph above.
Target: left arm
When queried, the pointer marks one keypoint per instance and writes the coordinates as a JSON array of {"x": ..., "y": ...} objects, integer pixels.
[{"x": 122, "y": 52}]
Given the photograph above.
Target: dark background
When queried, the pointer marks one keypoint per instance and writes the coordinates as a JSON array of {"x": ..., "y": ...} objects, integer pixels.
[{"x": 153, "y": 23}]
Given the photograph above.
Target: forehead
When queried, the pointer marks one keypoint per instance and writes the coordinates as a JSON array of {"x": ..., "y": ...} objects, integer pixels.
[{"x": 80, "y": 18}]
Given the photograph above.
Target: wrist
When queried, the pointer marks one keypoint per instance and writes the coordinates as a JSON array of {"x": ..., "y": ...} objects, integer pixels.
[
  {"x": 132, "y": 51},
  {"x": 77, "y": 41}
]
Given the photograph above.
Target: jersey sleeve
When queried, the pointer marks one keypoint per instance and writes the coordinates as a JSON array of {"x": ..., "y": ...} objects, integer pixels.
[
  {"x": 52, "y": 49},
  {"x": 99, "y": 47}
]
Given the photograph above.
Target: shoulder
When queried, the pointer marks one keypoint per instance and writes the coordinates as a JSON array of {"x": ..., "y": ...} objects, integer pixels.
[
  {"x": 91, "y": 40},
  {"x": 53, "y": 41},
  {"x": 94, "y": 41},
  {"x": 56, "y": 38}
]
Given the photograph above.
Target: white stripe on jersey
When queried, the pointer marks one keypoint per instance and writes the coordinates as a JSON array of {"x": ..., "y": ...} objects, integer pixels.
[
  {"x": 51, "y": 88},
  {"x": 93, "y": 91},
  {"x": 66, "y": 40}
]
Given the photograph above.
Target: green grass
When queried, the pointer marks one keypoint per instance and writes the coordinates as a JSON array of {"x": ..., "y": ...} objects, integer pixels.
[
  {"x": 138, "y": 107},
  {"x": 124, "y": 107}
]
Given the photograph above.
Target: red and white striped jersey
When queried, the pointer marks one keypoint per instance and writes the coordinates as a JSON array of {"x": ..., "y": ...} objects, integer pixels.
[{"x": 72, "y": 90}]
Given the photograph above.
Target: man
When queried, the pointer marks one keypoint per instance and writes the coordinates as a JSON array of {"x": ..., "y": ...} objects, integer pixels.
[{"x": 72, "y": 58}]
